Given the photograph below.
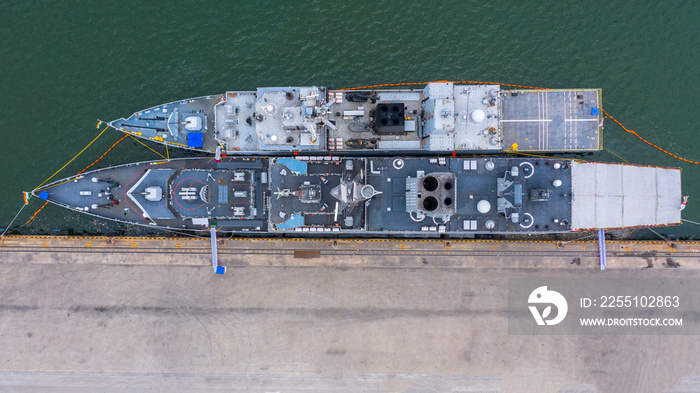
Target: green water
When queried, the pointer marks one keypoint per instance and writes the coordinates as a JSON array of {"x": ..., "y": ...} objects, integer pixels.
[{"x": 63, "y": 66}]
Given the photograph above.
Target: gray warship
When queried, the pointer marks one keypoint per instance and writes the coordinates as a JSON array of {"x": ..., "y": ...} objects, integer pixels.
[
  {"x": 328, "y": 195},
  {"x": 443, "y": 117}
]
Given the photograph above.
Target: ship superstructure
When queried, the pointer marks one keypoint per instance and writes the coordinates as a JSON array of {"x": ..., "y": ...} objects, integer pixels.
[
  {"x": 376, "y": 196},
  {"x": 442, "y": 117}
]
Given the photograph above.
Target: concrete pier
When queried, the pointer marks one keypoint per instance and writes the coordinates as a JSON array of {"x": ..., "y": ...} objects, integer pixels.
[
  {"x": 386, "y": 253},
  {"x": 134, "y": 314}
]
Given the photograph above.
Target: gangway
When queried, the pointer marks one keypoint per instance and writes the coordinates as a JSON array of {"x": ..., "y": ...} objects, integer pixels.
[
  {"x": 215, "y": 251},
  {"x": 601, "y": 247}
]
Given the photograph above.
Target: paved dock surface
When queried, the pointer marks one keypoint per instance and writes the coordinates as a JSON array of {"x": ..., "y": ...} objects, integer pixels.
[
  {"x": 386, "y": 253},
  {"x": 129, "y": 314}
]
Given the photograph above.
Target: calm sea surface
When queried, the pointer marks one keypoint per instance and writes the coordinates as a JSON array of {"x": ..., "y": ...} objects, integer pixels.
[{"x": 63, "y": 65}]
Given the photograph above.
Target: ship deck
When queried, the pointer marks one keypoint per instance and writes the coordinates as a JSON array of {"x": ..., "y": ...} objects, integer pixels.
[
  {"x": 373, "y": 196},
  {"x": 167, "y": 123},
  {"x": 442, "y": 117},
  {"x": 95, "y": 193},
  {"x": 308, "y": 202},
  {"x": 394, "y": 210},
  {"x": 473, "y": 183},
  {"x": 353, "y": 121},
  {"x": 551, "y": 120}
]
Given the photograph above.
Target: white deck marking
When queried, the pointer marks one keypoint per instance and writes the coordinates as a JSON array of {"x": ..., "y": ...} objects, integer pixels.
[
  {"x": 536, "y": 120},
  {"x": 522, "y": 121}
]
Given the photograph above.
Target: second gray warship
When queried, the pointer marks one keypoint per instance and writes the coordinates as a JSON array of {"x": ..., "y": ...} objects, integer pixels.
[{"x": 443, "y": 117}]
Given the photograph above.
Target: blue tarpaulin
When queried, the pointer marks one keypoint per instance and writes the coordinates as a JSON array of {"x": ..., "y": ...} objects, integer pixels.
[
  {"x": 220, "y": 269},
  {"x": 44, "y": 195},
  {"x": 295, "y": 221},
  {"x": 195, "y": 139},
  {"x": 294, "y": 165},
  {"x": 595, "y": 111}
]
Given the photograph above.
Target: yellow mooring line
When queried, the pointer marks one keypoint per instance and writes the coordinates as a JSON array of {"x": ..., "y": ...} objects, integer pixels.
[
  {"x": 72, "y": 159},
  {"x": 615, "y": 154},
  {"x": 148, "y": 147}
]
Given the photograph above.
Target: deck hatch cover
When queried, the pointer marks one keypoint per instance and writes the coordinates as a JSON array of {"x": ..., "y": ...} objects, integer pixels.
[{"x": 223, "y": 195}]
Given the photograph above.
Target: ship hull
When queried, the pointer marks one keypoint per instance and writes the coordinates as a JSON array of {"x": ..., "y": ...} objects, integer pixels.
[
  {"x": 311, "y": 196},
  {"x": 441, "y": 118}
]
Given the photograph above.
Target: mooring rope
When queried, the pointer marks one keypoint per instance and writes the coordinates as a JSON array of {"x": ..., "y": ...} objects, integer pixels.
[
  {"x": 692, "y": 222},
  {"x": 615, "y": 154},
  {"x": 37, "y": 212},
  {"x": 647, "y": 142},
  {"x": 13, "y": 220},
  {"x": 72, "y": 159},
  {"x": 455, "y": 82},
  {"x": 148, "y": 147},
  {"x": 103, "y": 155}
]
